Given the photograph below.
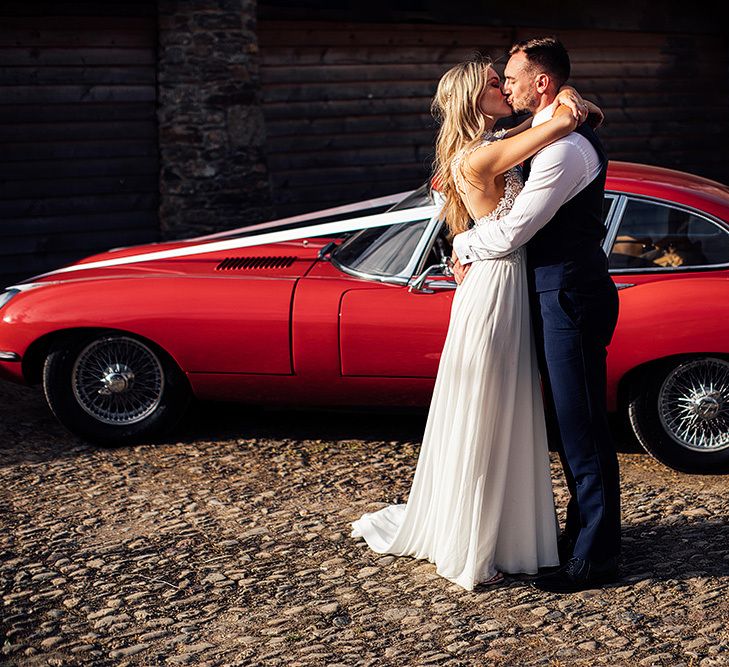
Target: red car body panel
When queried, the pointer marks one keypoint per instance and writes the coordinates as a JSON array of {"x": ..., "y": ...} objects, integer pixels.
[
  {"x": 207, "y": 319},
  {"x": 303, "y": 332}
]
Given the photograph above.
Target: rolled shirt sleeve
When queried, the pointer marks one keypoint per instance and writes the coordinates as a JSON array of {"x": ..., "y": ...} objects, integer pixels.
[{"x": 558, "y": 172}]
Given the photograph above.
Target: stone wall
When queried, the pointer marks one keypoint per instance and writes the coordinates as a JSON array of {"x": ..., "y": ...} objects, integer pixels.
[{"x": 213, "y": 173}]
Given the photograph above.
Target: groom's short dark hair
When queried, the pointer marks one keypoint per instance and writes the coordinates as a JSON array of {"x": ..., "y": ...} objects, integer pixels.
[{"x": 548, "y": 54}]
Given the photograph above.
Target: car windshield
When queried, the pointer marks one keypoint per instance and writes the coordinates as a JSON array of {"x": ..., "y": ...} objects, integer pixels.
[{"x": 386, "y": 251}]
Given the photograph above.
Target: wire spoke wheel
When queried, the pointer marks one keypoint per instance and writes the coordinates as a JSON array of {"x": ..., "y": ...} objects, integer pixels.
[
  {"x": 118, "y": 380},
  {"x": 693, "y": 405}
]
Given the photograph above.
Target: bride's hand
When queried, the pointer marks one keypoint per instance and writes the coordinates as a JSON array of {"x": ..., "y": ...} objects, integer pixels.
[
  {"x": 570, "y": 98},
  {"x": 595, "y": 116}
]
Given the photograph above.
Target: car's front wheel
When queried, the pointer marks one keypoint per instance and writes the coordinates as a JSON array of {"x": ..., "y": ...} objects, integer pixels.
[
  {"x": 112, "y": 388},
  {"x": 680, "y": 414}
]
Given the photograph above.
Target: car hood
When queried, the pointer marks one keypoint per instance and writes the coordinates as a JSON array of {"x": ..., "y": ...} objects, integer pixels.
[
  {"x": 286, "y": 259},
  {"x": 285, "y": 248}
]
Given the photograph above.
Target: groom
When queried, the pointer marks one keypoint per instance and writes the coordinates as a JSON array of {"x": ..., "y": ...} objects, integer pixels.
[{"x": 558, "y": 216}]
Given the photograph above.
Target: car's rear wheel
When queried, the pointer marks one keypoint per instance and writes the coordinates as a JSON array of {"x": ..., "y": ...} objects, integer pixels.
[
  {"x": 680, "y": 414},
  {"x": 112, "y": 388}
]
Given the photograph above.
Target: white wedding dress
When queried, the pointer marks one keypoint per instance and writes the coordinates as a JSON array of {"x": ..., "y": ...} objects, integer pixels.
[{"x": 481, "y": 499}]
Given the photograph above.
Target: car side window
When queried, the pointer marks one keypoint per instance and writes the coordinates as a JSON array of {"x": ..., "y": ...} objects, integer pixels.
[{"x": 656, "y": 235}]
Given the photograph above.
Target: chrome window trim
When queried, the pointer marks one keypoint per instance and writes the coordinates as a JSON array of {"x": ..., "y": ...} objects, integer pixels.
[
  {"x": 626, "y": 197},
  {"x": 420, "y": 267},
  {"x": 426, "y": 239},
  {"x": 612, "y": 224},
  {"x": 432, "y": 233}
]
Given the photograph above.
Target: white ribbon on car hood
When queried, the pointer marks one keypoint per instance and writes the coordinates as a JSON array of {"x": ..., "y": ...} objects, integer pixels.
[
  {"x": 305, "y": 217},
  {"x": 323, "y": 229}
]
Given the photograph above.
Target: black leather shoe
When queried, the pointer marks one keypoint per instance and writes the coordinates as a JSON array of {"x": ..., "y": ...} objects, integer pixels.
[
  {"x": 578, "y": 575},
  {"x": 565, "y": 547}
]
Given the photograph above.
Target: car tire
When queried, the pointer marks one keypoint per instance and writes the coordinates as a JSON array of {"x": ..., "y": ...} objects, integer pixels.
[
  {"x": 679, "y": 412},
  {"x": 112, "y": 388}
]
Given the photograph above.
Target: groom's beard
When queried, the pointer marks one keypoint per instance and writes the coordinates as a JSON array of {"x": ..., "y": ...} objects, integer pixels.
[
  {"x": 528, "y": 105},
  {"x": 521, "y": 109},
  {"x": 516, "y": 109}
]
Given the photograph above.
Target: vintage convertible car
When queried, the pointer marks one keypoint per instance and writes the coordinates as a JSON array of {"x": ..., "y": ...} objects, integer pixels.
[{"x": 352, "y": 309}]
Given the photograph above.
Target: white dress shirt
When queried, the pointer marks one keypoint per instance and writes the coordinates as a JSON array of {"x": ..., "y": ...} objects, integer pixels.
[{"x": 558, "y": 172}]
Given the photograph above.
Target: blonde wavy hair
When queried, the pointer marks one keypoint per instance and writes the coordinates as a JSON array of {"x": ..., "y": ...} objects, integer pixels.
[{"x": 455, "y": 107}]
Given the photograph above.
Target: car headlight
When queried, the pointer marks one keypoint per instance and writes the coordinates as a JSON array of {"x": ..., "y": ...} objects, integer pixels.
[{"x": 7, "y": 295}]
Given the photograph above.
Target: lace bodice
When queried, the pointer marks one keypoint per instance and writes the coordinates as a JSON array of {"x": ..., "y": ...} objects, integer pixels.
[{"x": 513, "y": 181}]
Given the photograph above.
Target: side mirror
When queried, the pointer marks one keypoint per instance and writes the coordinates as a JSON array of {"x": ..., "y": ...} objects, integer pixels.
[{"x": 417, "y": 285}]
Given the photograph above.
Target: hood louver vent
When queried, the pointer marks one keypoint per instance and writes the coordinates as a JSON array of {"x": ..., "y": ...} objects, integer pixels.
[{"x": 242, "y": 263}]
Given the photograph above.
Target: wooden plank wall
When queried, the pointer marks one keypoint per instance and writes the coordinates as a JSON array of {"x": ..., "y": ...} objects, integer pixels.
[
  {"x": 347, "y": 104},
  {"x": 78, "y": 132}
]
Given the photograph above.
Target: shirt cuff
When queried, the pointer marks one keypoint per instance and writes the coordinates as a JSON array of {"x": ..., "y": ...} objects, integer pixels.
[{"x": 462, "y": 248}]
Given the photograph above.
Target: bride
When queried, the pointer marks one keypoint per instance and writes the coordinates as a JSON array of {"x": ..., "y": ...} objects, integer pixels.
[{"x": 481, "y": 500}]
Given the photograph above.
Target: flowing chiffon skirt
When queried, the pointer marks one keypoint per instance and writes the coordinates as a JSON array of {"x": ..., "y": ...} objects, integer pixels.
[{"x": 481, "y": 500}]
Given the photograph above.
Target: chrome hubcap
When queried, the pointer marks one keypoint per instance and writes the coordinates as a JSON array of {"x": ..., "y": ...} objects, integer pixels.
[
  {"x": 693, "y": 404},
  {"x": 707, "y": 407},
  {"x": 118, "y": 380}
]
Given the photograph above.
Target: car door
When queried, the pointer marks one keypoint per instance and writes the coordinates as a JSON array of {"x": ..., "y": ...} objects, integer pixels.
[{"x": 395, "y": 331}]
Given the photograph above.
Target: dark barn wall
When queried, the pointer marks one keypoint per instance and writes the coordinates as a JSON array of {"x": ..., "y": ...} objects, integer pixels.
[
  {"x": 347, "y": 103},
  {"x": 78, "y": 131},
  {"x": 211, "y": 128}
]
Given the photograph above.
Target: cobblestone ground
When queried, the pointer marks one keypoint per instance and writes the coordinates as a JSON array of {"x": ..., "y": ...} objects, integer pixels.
[{"x": 231, "y": 547}]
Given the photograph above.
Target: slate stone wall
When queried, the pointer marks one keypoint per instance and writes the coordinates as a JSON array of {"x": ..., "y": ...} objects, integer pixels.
[{"x": 213, "y": 173}]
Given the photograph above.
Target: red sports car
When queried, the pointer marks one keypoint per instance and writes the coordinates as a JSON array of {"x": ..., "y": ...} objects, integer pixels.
[{"x": 352, "y": 309}]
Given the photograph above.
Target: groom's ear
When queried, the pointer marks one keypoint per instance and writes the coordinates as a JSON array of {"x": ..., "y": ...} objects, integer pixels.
[{"x": 542, "y": 82}]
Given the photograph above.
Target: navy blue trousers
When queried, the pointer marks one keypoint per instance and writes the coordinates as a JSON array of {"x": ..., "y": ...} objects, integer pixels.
[{"x": 573, "y": 328}]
